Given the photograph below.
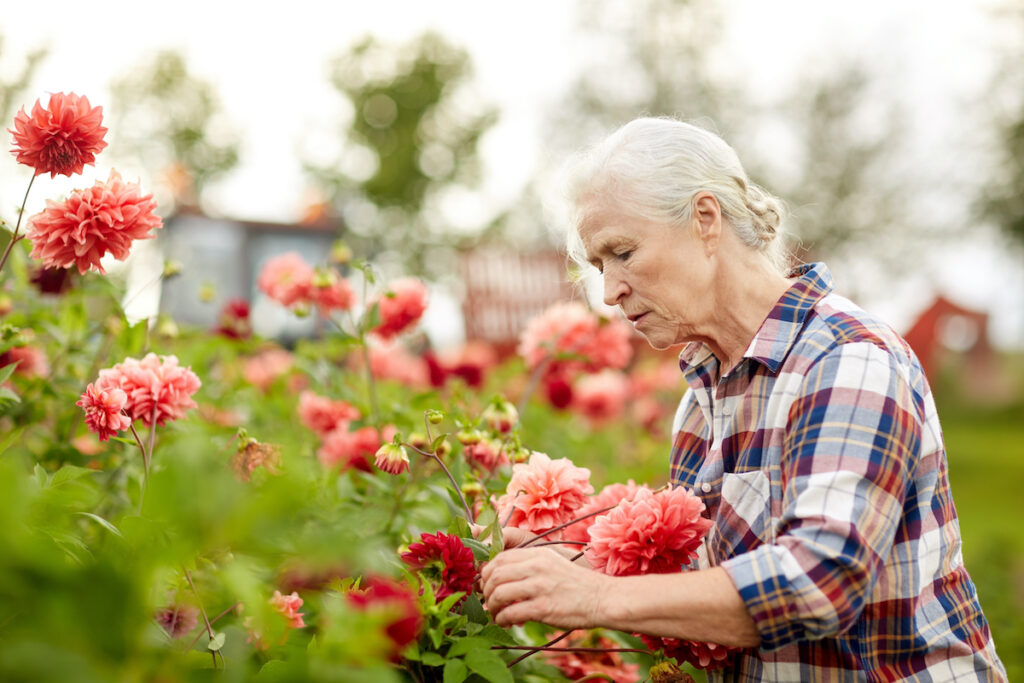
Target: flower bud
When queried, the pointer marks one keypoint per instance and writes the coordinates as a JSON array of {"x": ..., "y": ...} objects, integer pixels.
[
  {"x": 207, "y": 292},
  {"x": 500, "y": 415},
  {"x": 341, "y": 253},
  {"x": 435, "y": 417},
  {"x": 468, "y": 437},
  {"x": 392, "y": 459},
  {"x": 171, "y": 268}
]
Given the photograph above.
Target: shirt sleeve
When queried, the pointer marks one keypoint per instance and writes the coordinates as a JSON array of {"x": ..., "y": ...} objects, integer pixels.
[{"x": 852, "y": 442}]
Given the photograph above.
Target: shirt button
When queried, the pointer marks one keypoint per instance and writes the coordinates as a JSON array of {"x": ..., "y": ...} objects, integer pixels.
[{"x": 705, "y": 487}]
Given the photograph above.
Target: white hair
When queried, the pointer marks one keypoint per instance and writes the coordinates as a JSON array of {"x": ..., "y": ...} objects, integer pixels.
[{"x": 655, "y": 166}]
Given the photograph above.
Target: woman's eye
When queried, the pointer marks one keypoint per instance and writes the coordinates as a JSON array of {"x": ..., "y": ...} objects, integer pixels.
[{"x": 622, "y": 256}]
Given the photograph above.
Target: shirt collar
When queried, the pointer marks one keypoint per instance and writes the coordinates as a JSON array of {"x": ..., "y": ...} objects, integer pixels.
[{"x": 774, "y": 339}]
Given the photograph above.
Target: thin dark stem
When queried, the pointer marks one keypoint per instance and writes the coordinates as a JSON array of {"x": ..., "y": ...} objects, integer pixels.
[
  {"x": 511, "y": 509},
  {"x": 569, "y": 523},
  {"x": 213, "y": 621},
  {"x": 577, "y": 556},
  {"x": 17, "y": 225},
  {"x": 537, "y": 545},
  {"x": 535, "y": 649},
  {"x": 206, "y": 620},
  {"x": 458, "y": 490}
]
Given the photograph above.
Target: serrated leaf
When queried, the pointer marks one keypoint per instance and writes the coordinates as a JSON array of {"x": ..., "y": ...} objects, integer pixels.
[
  {"x": 474, "y": 611},
  {"x": 455, "y": 671},
  {"x": 480, "y": 551},
  {"x": 489, "y": 665},
  {"x": 68, "y": 473},
  {"x": 497, "y": 634},
  {"x": 102, "y": 522},
  {"x": 464, "y": 645},
  {"x": 217, "y": 642}
]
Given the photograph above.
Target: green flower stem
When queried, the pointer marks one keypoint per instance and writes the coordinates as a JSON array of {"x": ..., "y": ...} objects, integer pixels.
[
  {"x": 17, "y": 225},
  {"x": 212, "y": 622},
  {"x": 202, "y": 610},
  {"x": 465, "y": 505},
  {"x": 145, "y": 465}
]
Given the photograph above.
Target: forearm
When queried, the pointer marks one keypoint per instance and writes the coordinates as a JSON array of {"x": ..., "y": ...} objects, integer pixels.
[{"x": 696, "y": 605}]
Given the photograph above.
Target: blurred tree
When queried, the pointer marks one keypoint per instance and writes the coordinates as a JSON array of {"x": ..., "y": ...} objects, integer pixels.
[
  {"x": 412, "y": 138},
  {"x": 827, "y": 147},
  {"x": 170, "y": 121},
  {"x": 1002, "y": 196}
]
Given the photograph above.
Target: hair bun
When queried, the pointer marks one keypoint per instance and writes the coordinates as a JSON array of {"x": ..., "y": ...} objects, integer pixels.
[{"x": 766, "y": 210}]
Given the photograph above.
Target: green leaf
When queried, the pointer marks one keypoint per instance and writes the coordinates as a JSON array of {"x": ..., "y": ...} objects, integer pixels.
[
  {"x": 465, "y": 645},
  {"x": 497, "y": 634},
  {"x": 7, "y": 370},
  {"x": 489, "y": 665},
  {"x": 8, "y": 396},
  {"x": 432, "y": 659},
  {"x": 68, "y": 473},
  {"x": 459, "y": 527},
  {"x": 474, "y": 611},
  {"x": 41, "y": 476},
  {"x": 217, "y": 642},
  {"x": 15, "y": 436},
  {"x": 480, "y": 551},
  {"x": 102, "y": 522},
  {"x": 455, "y": 671}
]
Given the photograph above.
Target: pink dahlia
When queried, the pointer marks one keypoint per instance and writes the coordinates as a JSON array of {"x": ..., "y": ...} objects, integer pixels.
[
  {"x": 655, "y": 533},
  {"x": 324, "y": 415},
  {"x": 381, "y": 594},
  {"x": 400, "y": 307},
  {"x": 90, "y": 223},
  {"x": 103, "y": 410},
  {"x": 572, "y": 338},
  {"x": 600, "y": 663},
  {"x": 544, "y": 493},
  {"x": 392, "y": 361},
  {"x": 707, "y": 656},
  {"x": 489, "y": 454},
  {"x": 610, "y": 495},
  {"x": 346, "y": 450},
  {"x": 265, "y": 367},
  {"x": 60, "y": 138},
  {"x": 178, "y": 619},
  {"x": 602, "y": 396},
  {"x": 445, "y": 561},
  {"x": 331, "y": 292},
  {"x": 158, "y": 389},
  {"x": 288, "y": 606},
  {"x": 287, "y": 279}
]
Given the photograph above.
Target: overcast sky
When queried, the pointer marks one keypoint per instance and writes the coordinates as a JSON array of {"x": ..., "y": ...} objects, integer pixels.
[{"x": 270, "y": 68}]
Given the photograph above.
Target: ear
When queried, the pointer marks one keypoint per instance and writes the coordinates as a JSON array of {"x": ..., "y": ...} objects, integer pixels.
[{"x": 707, "y": 216}]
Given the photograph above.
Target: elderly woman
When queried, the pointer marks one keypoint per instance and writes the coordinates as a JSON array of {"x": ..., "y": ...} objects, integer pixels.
[{"x": 808, "y": 430}]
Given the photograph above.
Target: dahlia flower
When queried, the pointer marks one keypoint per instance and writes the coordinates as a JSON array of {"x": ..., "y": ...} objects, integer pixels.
[
  {"x": 610, "y": 495},
  {"x": 262, "y": 369},
  {"x": 345, "y": 450},
  {"x": 90, "y": 223},
  {"x": 324, "y": 415},
  {"x": 400, "y": 307},
  {"x": 707, "y": 656},
  {"x": 602, "y": 396},
  {"x": 31, "y": 361},
  {"x": 178, "y": 619},
  {"x": 103, "y": 410},
  {"x": 287, "y": 279},
  {"x": 233, "y": 321},
  {"x": 655, "y": 533},
  {"x": 158, "y": 389},
  {"x": 331, "y": 292},
  {"x": 381, "y": 594},
  {"x": 392, "y": 361},
  {"x": 288, "y": 606},
  {"x": 392, "y": 459},
  {"x": 568, "y": 329},
  {"x": 489, "y": 454},
  {"x": 576, "y": 665},
  {"x": 445, "y": 561},
  {"x": 60, "y": 138},
  {"x": 544, "y": 493}
]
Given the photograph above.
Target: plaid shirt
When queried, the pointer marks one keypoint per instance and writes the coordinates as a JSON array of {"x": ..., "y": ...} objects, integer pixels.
[{"x": 820, "y": 460}]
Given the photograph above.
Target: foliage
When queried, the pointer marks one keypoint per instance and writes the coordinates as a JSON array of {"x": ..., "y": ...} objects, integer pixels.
[
  {"x": 171, "y": 122},
  {"x": 413, "y": 135}
]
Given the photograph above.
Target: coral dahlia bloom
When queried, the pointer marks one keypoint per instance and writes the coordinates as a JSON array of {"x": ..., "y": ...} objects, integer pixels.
[
  {"x": 90, "y": 223},
  {"x": 60, "y": 138},
  {"x": 392, "y": 361},
  {"x": 602, "y": 396},
  {"x": 331, "y": 292},
  {"x": 572, "y": 338},
  {"x": 324, "y": 415},
  {"x": 103, "y": 410},
  {"x": 288, "y": 606},
  {"x": 400, "y": 307},
  {"x": 544, "y": 493},
  {"x": 707, "y": 656},
  {"x": 388, "y": 596},
  {"x": 655, "y": 533},
  {"x": 158, "y": 389},
  {"x": 346, "y": 450},
  {"x": 445, "y": 561},
  {"x": 287, "y": 279},
  {"x": 576, "y": 665},
  {"x": 610, "y": 495}
]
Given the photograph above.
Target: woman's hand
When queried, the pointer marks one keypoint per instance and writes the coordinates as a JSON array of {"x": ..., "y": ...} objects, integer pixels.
[{"x": 539, "y": 584}]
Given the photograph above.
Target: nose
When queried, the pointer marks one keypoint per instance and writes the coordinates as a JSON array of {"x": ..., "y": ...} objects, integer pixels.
[{"x": 615, "y": 287}]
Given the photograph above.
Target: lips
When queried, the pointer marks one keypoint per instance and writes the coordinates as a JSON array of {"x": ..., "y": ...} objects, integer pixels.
[{"x": 635, "y": 318}]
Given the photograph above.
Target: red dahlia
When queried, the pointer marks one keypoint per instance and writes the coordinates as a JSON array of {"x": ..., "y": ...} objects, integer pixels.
[{"x": 445, "y": 561}]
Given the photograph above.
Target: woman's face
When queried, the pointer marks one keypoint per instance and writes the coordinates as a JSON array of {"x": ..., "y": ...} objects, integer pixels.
[{"x": 655, "y": 272}]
